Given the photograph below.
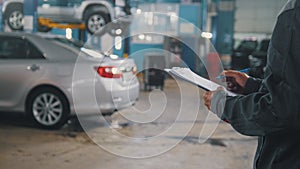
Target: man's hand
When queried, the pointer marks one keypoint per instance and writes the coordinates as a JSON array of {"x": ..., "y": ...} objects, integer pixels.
[
  {"x": 236, "y": 81},
  {"x": 207, "y": 96}
]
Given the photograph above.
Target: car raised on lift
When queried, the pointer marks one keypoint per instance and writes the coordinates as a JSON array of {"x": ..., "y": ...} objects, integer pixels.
[{"x": 95, "y": 14}]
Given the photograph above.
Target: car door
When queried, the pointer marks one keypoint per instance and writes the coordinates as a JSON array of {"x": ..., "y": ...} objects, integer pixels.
[
  {"x": 21, "y": 64},
  {"x": 58, "y": 10}
]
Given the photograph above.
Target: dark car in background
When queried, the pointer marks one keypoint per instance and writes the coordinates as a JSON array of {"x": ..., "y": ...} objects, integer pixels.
[
  {"x": 258, "y": 59},
  {"x": 250, "y": 53},
  {"x": 239, "y": 57}
]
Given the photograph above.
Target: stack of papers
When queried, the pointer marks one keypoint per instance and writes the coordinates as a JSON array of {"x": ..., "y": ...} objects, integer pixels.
[{"x": 187, "y": 75}]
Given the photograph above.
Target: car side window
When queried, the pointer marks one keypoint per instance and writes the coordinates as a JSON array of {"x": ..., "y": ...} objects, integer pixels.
[
  {"x": 18, "y": 48},
  {"x": 12, "y": 48},
  {"x": 74, "y": 2},
  {"x": 33, "y": 52},
  {"x": 61, "y": 3}
]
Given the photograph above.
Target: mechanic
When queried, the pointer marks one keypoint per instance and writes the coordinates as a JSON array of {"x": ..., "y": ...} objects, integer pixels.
[{"x": 269, "y": 108}]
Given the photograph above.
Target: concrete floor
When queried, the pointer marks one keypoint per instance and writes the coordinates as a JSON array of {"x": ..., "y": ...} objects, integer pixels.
[{"x": 169, "y": 129}]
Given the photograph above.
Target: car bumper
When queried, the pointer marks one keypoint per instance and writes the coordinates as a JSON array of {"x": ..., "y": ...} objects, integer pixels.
[
  {"x": 105, "y": 96},
  {"x": 117, "y": 96}
]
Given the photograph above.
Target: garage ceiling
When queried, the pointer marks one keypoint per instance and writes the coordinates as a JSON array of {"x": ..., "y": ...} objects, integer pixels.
[{"x": 257, "y": 16}]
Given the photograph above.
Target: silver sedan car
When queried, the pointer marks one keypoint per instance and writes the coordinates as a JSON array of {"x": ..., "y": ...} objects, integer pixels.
[{"x": 50, "y": 79}]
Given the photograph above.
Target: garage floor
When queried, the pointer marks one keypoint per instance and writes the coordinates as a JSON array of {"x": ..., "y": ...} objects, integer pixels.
[{"x": 166, "y": 129}]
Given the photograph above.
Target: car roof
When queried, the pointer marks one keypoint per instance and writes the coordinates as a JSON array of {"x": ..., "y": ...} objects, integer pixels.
[
  {"x": 15, "y": 34},
  {"x": 51, "y": 50}
]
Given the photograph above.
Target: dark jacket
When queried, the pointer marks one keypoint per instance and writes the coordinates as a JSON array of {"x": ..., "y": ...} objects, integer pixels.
[{"x": 270, "y": 107}]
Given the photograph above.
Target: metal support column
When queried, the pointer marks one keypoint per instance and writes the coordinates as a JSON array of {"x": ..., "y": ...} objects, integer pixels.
[
  {"x": 30, "y": 15},
  {"x": 224, "y": 25},
  {"x": 126, "y": 36},
  {"x": 1, "y": 16},
  {"x": 204, "y": 15},
  {"x": 82, "y": 35}
]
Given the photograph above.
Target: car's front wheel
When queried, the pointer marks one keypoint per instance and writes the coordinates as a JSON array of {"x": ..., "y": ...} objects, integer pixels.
[
  {"x": 95, "y": 22},
  {"x": 48, "y": 107},
  {"x": 14, "y": 17}
]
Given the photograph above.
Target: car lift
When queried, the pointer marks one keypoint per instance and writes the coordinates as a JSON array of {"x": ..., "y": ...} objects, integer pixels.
[
  {"x": 48, "y": 23},
  {"x": 81, "y": 26}
]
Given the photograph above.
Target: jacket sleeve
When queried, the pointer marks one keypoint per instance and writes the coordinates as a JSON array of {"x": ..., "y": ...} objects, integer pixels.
[
  {"x": 275, "y": 106},
  {"x": 259, "y": 113},
  {"x": 252, "y": 85}
]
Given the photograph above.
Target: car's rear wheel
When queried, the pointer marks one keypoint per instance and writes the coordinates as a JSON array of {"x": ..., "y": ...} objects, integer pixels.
[
  {"x": 48, "y": 108},
  {"x": 95, "y": 22},
  {"x": 14, "y": 17}
]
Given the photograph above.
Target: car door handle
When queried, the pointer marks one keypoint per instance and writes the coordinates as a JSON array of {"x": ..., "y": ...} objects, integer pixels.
[{"x": 33, "y": 67}]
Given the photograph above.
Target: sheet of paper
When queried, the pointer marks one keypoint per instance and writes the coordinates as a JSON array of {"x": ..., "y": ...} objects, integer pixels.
[{"x": 187, "y": 75}]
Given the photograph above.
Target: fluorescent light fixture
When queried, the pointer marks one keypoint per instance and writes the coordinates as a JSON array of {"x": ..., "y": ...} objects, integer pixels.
[
  {"x": 142, "y": 36},
  {"x": 138, "y": 11},
  {"x": 118, "y": 42},
  {"x": 119, "y": 31},
  {"x": 69, "y": 33},
  {"x": 206, "y": 35}
]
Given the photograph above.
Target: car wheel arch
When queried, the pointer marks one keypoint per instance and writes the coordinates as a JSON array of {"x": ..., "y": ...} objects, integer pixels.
[
  {"x": 44, "y": 86},
  {"x": 10, "y": 6},
  {"x": 63, "y": 108},
  {"x": 14, "y": 10},
  {"x": 96, "y": 7}
]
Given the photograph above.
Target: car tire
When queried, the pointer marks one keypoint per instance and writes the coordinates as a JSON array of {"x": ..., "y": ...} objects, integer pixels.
[
  {"x": 95, "y": 22},
  {"x": 14, "y": 17},
  {"x": 48, "y": 108},
  {"x": 42, "y": 28}
]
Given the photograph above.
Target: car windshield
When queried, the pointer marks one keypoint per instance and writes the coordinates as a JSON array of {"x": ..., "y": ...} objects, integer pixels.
[
  {"x": 247, "y": 45},
  {"x": 264, "y": 45}
]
